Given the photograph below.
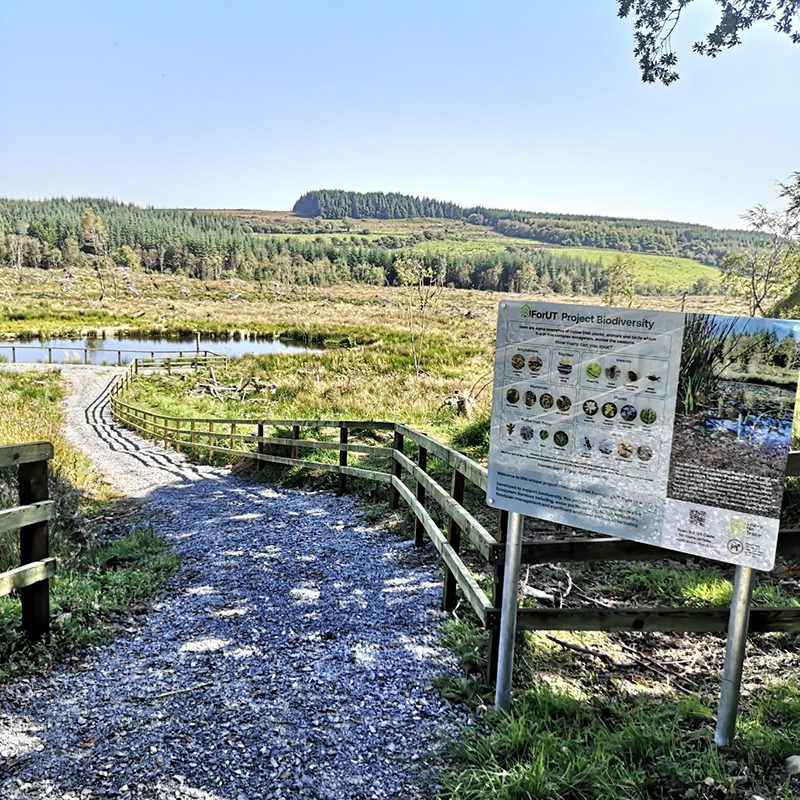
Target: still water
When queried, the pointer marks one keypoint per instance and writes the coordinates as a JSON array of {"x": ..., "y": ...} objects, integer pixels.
[{"x": 121, "y": 351}]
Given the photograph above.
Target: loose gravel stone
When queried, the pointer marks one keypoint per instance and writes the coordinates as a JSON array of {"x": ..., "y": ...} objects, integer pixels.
[{"x": 291, "y": 657}]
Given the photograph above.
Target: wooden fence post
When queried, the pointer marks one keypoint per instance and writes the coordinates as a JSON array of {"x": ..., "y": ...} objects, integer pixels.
[
  {"x": 210, "y": 441},
  {"x": 454, "y": 539},
  {"x": 497, "y": 600},
  {"x": 169, "y": 365},
  {"x": 233, "y": 440},
  {"x": 342, "y": 460},
  {"x": 419, "y": 528},
  {"x": 34, "y": 545},
  {"x": 295, "y": 436},
  {"x": 260, "y": 446},
  {"x": 192, "y": 434},
  {"x": 397, "y": 471},
  {"x": 177, "y": 436}
]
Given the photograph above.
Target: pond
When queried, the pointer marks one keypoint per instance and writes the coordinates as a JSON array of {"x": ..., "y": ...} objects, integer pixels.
[
  {"x": 757, "y": 415},
  {"x": 113, "y": 350}
]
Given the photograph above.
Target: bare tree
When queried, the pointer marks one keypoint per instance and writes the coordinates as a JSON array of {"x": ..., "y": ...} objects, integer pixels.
[
  {"x": 619, "y": 275},
  {"x": 16, "y": 244},
  {"x": 95, "y": 239},
  {"x": 422, "y": 283},
  {"x": 766, "y": 273}
]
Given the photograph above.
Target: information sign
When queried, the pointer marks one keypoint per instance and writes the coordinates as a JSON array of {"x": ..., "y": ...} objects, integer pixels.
[{"x": 667, "y": 428}]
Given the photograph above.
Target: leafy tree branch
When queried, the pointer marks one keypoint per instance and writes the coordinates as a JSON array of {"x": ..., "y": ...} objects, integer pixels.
[{"x": 656, "y": 20}]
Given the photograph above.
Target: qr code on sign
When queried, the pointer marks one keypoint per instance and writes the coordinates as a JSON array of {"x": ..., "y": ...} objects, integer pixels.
[{"x": 697, "y": 517}]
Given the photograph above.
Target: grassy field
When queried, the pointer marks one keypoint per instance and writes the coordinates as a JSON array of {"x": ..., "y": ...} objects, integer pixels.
[
  {"x": 674, "y": 273},
  {"x": 597, "y": 724}
]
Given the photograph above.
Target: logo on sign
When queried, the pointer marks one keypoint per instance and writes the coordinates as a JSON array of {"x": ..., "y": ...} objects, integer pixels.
[
  {"x": 738, "y": 526},
  {"x": 532, "y": 313}
]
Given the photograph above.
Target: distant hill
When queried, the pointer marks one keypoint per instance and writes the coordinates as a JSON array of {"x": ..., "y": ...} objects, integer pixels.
[
  {"x": 656, "y": 237},
  {"x": 479, "y": 251}
]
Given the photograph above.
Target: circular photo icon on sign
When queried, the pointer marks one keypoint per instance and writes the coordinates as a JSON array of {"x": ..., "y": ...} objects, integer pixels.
[
  {"x": 534, "y": 363},
  {"x": 546, "y": 401},
  {"x": 648, "y": 416},
  {"x": 564, "y": 403},
  {"x": 560, "y": 438},
  {"x": 606, "y": 447},
  {"x": 609, "y": 410},
  {"x": 628, "y": 413},
  {"x": 526, "y": 432},
  {"x": 518, "y": 361},
  {"x": 590, "y": 408},
  {"x": 644, "y": 452},
  {"x": 625, "y": 449},
  {"x": 613, "y": 372},
  {"x": 530, "y": 399},
  {"x": 594, "y": 371},
  {"x": 564, "y": 366},
  {"x": 512, "y": 395},
  {"x": 544, "y": 435}
]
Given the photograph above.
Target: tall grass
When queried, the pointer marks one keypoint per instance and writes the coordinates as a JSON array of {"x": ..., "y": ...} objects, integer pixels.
[{"x": 703, "y": 358}]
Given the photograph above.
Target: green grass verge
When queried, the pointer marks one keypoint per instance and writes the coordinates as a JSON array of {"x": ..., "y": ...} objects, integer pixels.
[
  {"x": 101, "y": 572},
  {"x": 109, "y": 581}
]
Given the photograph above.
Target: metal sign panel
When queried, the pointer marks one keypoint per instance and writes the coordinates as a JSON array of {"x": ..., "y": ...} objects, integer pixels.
[{"x": 667, "y": 428}]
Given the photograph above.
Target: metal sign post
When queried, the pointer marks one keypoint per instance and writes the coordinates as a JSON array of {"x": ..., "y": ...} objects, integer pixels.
[
  {"x": 734, "y": 656},
  {"x": 508, "y": 618}
]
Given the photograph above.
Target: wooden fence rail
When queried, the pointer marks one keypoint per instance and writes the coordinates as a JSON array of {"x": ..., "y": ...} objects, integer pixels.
[
  {"x": 32, "y": 578},
  {"x": 189, "y": 353},
  {"x": 248, "y": 438}
]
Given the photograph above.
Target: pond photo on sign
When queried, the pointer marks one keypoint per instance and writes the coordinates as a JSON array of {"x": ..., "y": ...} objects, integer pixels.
[{"x": 736, "y": 396}]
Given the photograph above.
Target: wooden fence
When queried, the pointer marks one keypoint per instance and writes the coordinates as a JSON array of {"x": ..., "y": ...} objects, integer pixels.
[
  {"x": 245, "y": 438},
  {"x": 31, "y": 516},
  {"x": 24, "y": 348}
]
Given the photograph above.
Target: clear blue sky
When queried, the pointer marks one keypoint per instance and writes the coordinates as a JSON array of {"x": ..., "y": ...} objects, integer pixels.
[{"x": 533, "y": 104}]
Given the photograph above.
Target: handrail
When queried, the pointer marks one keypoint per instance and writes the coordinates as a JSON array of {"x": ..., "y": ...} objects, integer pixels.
[
  {"x": 184, "y": 432},
  {"x": 31, "y": 517},
  {"x": 99, "y": 351},
  {"x": 225, "y": 436}
]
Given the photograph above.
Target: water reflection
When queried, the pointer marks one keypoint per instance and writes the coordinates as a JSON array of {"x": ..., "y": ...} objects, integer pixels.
[{"x": 113, "y": 350}]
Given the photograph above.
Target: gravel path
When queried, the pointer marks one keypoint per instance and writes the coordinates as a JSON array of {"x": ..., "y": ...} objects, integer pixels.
[{"x": 291, "y": 657}]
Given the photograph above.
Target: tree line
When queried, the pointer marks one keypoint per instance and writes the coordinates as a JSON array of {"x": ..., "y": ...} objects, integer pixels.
[
  {"x": 116, "y": 238},
  {"x": 700, "y": 242}
]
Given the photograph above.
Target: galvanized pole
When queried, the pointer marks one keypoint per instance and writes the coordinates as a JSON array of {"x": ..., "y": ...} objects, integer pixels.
[
  {"x": 508, "y": 615},
  {"x": 734, "y": 656}
]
